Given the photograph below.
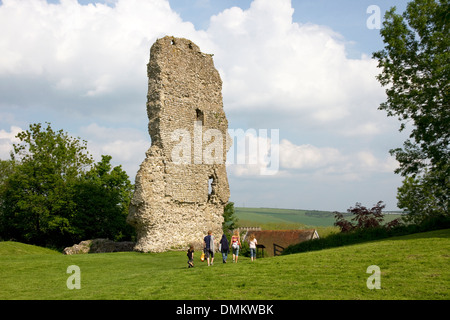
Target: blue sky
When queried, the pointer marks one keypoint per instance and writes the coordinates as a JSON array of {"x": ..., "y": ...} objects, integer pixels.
[{"x": 303, "y": 68}]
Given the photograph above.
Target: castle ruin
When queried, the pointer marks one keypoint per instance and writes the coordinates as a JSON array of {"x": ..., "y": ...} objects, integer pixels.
[{"x": 181, "y": 187}]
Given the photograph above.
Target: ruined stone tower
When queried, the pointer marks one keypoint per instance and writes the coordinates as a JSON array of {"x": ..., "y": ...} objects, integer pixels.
[{"x": 181, "y": 187}]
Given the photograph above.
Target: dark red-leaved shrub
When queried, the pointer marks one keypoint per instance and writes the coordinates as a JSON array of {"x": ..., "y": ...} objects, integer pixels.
[{"x": 363, "y": 218}]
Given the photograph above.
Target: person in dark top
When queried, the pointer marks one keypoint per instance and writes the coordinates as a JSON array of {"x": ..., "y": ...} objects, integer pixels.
[
  {"x": 224, "y": 248},
  {"x": 209, "y": 247}
]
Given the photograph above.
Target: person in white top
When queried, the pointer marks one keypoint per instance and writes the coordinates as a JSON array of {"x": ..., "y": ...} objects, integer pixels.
[{"x": 252, "y": 242}]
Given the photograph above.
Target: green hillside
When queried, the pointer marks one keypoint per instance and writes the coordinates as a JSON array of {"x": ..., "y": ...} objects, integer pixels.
[
  {"x": 292, "y": 216},
  {"x": 412, "y": 267},
  {"x": 8, "y": 248},
  {"x": 308, "y": 218}
]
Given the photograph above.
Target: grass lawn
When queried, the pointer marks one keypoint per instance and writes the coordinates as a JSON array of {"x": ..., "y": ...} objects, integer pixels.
[{"x": 412, "y": 267}]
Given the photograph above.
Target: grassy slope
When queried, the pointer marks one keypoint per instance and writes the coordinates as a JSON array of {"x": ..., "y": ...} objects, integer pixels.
[
  {"x": 17, "y": 248},
  {"x": 412, "y": 267}
]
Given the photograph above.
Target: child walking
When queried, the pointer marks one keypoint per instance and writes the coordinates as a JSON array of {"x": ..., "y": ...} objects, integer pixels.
[
  {"x": 190, "y": 254},
  {"x": 252, "y": 244}
]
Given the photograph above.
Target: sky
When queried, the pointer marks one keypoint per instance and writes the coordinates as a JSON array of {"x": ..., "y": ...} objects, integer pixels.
[{"x": 302, "y": 71}]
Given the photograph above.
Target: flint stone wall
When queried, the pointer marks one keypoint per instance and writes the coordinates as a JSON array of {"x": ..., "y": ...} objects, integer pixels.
[
  {"x": 99, "y": 246},
  {"x": 175, "y": 203}
]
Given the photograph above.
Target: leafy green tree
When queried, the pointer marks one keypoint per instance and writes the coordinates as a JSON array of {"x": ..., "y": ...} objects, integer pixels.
[
  {"x": 35, "y": 200},
  {"x": 6, "y": 170},
  {"x": 55, "y": 195},
  {"x": 424, "y": 197},
  {"x": 415, "y": 64},
  {"x": 101, "y": 197},
  {"x": 229, "y": 218}
]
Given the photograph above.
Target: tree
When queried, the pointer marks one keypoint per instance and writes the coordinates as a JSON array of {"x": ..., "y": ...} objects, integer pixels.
[
  {"x": 229, "y": 218},
  {"x": 424, "y": 197},
  {"x": 52, "y": 153},
  {"x": 363, "y": 218},
  {"x": 101, "y": 197},
  {"x": 6, "y": 170},
  {"x": 415, "y": 64},
  {"x": 55, "y": 195},
  {"x": 36, "y": 197}
]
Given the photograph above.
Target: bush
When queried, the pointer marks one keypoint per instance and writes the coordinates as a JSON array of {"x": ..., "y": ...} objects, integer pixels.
[{"x": 364, "y": 218}]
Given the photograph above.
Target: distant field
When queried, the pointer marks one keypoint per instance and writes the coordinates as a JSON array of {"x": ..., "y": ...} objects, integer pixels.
[
  {"x": 278, "y": 219},
  {"x": 271, "y": 215}
]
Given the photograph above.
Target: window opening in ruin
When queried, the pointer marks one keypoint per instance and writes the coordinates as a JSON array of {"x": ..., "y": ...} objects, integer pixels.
[
  {"x": 210, "y": 182},
  {"x": 199, "y": 116}
]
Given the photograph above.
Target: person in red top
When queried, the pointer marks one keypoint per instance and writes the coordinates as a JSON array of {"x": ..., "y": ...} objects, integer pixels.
[{"x": 235, "y": 245}]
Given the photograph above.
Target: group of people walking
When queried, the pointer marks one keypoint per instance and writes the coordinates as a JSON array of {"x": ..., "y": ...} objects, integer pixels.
[{"x": 224, "y": 248}]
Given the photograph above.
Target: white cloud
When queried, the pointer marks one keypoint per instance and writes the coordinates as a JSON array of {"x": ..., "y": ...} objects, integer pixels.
[
  {"x": 126, "y": 146},
  {"x": 307, "y": 156},
  {"x": 331, "y": 161},
  {"x": 268, "y": 61},
  {"x": 365, "y": 129},
  {"x": 369, "y": 163},
  {"x": 89, "y": 55},
  {"x": 306, "y": 160},
  {"x": 7, "y": 139},
  {"x": 95, "y": 55}
]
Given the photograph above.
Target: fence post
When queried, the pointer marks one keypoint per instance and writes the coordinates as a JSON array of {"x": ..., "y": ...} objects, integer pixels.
[{"x": 276, "y": 249}]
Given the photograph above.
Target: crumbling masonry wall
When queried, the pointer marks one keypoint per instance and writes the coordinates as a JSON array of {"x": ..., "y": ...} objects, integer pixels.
[{"x": 181, "y": 187}]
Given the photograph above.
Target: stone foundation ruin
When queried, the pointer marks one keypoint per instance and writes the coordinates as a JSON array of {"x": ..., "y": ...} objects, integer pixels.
[{"x": 181, "y": 187}]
